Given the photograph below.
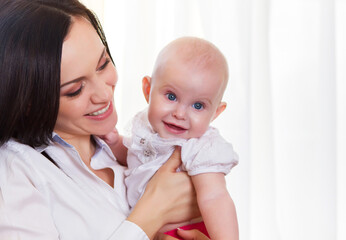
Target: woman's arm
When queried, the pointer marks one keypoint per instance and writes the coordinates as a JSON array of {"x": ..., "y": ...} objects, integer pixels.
[
  {"x": 168, "y": 198},
  {"x": 216, "y": 205},
  {"x": 24, "y": 212}
]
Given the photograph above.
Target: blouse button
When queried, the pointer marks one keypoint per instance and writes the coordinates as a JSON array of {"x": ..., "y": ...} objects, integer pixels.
[
  {"x": 142, "y": 141},
  {"x": 147, "y": 153}
]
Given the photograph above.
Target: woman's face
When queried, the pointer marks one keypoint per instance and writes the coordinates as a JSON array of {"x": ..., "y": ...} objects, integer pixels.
[{"x": 88, "y": 78}]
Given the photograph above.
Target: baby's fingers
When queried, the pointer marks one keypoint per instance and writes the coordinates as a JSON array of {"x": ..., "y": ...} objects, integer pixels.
[{"x": 111, "y": 138}]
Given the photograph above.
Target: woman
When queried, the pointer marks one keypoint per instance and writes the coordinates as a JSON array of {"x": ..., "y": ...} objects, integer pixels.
[{"x": 57, "y": 180}]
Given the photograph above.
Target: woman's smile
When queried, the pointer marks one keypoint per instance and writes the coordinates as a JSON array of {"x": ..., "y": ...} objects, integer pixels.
[
  {"x": 103, "y": 110},
  {"x": 103, "y": 113}
]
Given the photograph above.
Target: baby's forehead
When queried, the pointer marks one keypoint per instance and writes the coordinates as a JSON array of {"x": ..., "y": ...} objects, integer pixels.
[
  {"x": 196, "y": 52},
  {"x": 193, "y": 50},
  {"x": 196, "y": 55}
]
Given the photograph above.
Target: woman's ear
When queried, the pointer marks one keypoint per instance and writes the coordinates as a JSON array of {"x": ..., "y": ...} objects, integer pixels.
[
  {"x": 146, "y": 87},
  {"x": 222, "y": 106}
]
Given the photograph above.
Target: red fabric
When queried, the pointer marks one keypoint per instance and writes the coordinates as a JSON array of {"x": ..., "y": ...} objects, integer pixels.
[{"x": 199, "y": 226}]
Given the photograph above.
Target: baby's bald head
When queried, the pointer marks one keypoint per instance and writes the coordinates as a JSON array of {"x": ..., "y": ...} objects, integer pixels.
[{"x": 196, "y": 54}]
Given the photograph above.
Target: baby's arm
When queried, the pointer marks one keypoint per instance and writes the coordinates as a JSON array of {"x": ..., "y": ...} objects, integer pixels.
[
  {"x": 216, "y": 206},
  {"x": 115, "y": 141}
]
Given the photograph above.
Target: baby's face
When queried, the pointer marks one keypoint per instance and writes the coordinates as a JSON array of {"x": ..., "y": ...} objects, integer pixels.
[{"x": 184, "y": 100}]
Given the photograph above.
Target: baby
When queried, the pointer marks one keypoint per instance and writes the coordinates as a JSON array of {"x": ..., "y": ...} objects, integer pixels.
[{"x": 185, "y": 95}]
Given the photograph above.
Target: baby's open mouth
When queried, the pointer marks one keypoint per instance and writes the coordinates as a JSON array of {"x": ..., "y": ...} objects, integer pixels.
[{"x": 175, "y": 127}]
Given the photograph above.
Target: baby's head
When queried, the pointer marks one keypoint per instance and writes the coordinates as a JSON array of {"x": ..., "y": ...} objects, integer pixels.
[{"x": 186, "y": 88}]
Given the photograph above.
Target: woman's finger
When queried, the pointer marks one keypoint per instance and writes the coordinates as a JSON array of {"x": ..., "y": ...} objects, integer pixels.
[
  {"x": 162, "y": 236},
  {"x": 174, "y": 161},
  {"x": 192, "y": 235}
]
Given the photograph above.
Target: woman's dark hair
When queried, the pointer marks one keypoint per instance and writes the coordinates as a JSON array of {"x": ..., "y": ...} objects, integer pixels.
[{"x": 31, "y": 38}]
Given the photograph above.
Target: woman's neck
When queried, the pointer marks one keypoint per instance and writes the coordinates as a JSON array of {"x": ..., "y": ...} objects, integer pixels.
[{"x": 84, "y": 144}]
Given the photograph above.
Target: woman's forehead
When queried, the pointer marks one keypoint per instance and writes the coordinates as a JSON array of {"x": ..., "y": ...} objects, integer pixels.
[{"x": 81, "y": 49}]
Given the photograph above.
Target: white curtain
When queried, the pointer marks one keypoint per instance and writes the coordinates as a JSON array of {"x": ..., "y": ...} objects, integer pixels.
[{"x": 286, "y": 100}]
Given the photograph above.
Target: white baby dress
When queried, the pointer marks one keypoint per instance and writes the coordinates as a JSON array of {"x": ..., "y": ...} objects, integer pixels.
[{"x": 147, "y": 152}]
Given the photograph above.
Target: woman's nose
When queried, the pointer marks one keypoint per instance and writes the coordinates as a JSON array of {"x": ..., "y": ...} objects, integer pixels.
[{"x": 102, "y": 92}]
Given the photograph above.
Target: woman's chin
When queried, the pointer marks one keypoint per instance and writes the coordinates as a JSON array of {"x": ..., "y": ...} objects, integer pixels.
[{"x": 105, "y": 129}]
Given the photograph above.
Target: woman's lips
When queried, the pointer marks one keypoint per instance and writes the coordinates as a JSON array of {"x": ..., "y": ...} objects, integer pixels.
[
  {"x": 102, "y": 113},
  {"x": 103, "y": 110}
]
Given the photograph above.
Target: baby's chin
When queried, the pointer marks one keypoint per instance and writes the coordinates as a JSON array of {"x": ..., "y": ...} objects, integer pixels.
[{"x": 185, "y": 136}]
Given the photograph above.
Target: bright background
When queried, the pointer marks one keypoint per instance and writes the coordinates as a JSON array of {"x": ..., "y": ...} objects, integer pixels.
[{"x": 286, "y": 100}]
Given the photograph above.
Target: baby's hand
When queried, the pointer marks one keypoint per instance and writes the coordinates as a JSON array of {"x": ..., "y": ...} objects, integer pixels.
[
  {"x": 112, "y": 138},
  {"x": 115, "y": 141}
]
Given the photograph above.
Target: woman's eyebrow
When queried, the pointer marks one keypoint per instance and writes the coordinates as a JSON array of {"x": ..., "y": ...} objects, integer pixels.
[
  {"x": 72, "y": 81},
  {"x": 81, "y": 78}
]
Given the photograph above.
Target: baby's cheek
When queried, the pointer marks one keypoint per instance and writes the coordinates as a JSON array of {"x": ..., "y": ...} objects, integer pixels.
[
  {"x": 199, "y": 128},
  {"x": 155, "y": 119}
]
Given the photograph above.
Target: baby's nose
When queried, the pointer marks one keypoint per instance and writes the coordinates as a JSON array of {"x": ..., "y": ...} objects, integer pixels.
[{"x": 180, "y": 112}]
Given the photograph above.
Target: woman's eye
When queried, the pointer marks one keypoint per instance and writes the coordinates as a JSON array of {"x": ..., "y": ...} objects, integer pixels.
[
  {"x": 103, "y": 66},
  {"x": 198, "y": 105},
  {"x": 171, "y": 96},
  {"x": 75, "y": 93}
]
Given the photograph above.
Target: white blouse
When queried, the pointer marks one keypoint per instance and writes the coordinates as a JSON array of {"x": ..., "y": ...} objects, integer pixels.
[{"x": 39, "y": 200}]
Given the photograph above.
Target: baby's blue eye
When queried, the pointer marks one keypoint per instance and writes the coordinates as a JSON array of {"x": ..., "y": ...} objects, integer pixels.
[
  {"x": 171, "y": 96},
  {"x": 198, "y": 105}
]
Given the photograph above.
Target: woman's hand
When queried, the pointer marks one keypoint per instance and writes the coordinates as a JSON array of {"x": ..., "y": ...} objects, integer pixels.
[
  {"x": 177, "y": 188},
  {"x": 184, "y": 234},
  {"x": 169, "y": 198},
  {"x": 192, "y": 235}
]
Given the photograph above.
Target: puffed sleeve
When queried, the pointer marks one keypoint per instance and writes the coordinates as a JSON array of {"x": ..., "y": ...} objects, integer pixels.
[
  {"x": 24, "y": 212},
  {"x": 209, "y": 153}
]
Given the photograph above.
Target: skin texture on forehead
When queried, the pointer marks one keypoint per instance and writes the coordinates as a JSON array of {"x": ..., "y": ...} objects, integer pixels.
[{"x": 196, "y": 53}]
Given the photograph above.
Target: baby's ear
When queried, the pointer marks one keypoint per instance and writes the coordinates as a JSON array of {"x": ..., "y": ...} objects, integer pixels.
[
  {"x": 222, "y": 106},
  {"x": 146, "y": 87}
]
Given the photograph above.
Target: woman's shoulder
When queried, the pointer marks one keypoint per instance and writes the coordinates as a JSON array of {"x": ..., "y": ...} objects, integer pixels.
[
  {"x": 13, "y": 150},
  {"x": 18, "y": 159}
]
